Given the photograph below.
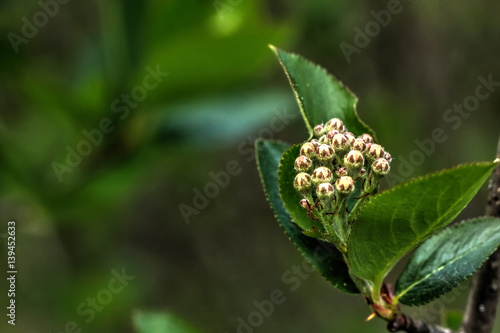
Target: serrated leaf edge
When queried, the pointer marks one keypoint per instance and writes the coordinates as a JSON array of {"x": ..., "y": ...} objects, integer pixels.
[
  {"x": 302, "y": 252},
  {"x": 287, "y": 145},
  {"x": 413, "y": 180},
  {"x": 299, "y": 100},
  {"x": 427, "y": 176},
  {"x": 259, "y": 140},
  {"x": 454, "y": 285},
  {"x": 377, "y": 197},
  {"x": 279, "y": 178},
  {"x": 280, "y": 172}
]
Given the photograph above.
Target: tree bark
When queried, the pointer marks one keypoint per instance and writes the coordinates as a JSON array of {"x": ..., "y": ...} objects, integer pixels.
[{"x": 483, "y": 298}]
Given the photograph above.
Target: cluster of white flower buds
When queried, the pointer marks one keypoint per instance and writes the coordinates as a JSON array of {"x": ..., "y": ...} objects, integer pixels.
[{"x": 330, "y": 164}]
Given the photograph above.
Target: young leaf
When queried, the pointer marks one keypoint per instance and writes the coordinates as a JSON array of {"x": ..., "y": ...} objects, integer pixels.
[
  {"x": 289, "y": 195},
  {"x": 447, "y": 259},
  {"x": 158, "y": 322},
  {"x": 394, "y": 222},
  {"x": 320, "y": 96},
  {"x": 321, "y": 255}
]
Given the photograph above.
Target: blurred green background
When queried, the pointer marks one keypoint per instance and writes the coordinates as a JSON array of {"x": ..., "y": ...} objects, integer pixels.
[{"x": 119, "y": 208}]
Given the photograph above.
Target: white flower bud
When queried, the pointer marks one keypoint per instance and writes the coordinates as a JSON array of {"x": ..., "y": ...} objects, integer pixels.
[
  {"x": 331, "y": 134},
  {"x": 375, "y": 152},
  {"x": 335, "y": 124},
  {"x": 305, "y": 204},
  {"x": 325, "y": 153},
  {"x": 302, "y": 182},
  {"x": 340, "y": 143},
  {"x": 319, "y": 130},
  {"x": 325, "y": 191},
  {"x": 350, "y": 137},
  {"x": 381, "y": 167},
  {"x": 359, "y": 145},
  {"x": 315, "y": 142},
  {"x": 303, "y": 164},
  {"x": 322, "y": 175},
  {"x": 366, "y": 138},
  {"x": 308, "y": 149},
  {"x": 354, "y": 160},
  {"x": 323, "y": 140},
  {"x": 342, "y": 172},
  {"x": 344, "y": 185}
]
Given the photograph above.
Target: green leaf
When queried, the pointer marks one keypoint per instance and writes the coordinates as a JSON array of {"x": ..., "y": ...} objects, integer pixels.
[
  {"x": 320, "y": 96},
  {"x": 321, "y": 255},
  {"x": 447, "y": 259},
  {"x": 289, "y": 195},
  {"x": 158, "y": 322},
  {"x": 394, "y": 222}
]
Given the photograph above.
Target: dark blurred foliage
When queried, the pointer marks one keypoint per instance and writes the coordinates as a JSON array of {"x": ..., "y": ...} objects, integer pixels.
[{"x": 120, "y": 206}]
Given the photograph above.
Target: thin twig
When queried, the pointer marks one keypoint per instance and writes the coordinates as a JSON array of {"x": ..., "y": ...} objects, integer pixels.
[
  {"x": 405, "y": 323},
  {"x": 483, "y": 298}
]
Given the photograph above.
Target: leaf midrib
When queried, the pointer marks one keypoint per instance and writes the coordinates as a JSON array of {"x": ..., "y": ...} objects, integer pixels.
[
  {"x": 440, "y": 268},
  {"x": 379, "y": 278},
  {"x": 295, "y": 92}
]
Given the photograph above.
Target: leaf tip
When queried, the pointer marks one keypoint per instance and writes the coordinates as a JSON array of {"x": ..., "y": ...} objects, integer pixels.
[{"x": 273, "y": 48}]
